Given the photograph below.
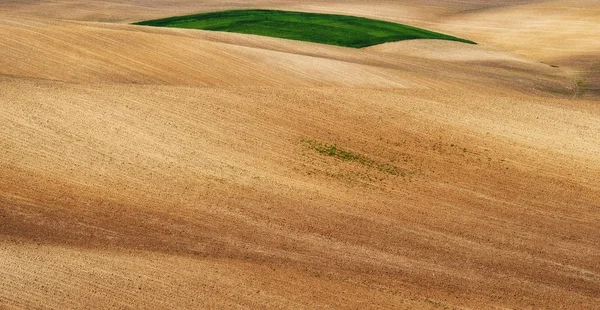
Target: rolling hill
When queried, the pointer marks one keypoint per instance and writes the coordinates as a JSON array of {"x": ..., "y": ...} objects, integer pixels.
[{"x": 147, "y": 167}]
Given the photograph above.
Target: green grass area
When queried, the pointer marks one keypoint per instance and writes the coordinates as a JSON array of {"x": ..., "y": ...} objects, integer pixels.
[
  {"x": 346, "y": 155},
  {"x": 341, "y": 30}
]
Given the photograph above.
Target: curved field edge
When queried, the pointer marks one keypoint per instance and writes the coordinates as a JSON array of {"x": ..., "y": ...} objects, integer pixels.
[{"x": 340, "y": 30}]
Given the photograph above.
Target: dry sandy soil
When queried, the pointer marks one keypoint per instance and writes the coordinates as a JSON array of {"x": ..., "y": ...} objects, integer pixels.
[{"x": 169, "y": 168}]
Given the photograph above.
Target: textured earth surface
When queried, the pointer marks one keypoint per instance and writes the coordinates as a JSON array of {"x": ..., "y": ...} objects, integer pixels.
[{"x": 170, "y": 168}]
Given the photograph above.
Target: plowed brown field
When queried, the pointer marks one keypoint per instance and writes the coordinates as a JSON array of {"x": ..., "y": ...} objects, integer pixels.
[{"x": 168, "y": 168}]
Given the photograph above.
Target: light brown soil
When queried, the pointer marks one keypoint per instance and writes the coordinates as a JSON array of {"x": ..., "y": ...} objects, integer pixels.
[{"x": 168, "y": 168}]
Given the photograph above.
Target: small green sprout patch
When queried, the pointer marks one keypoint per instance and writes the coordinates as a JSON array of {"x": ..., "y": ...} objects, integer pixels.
[
  {"x": 582, "y": 87},
  {"x": 346, "y": 155}
]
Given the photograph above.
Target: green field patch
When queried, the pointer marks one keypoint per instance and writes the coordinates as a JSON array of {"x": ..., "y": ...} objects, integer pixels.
[
  {"x": 347, "y": 155},
  {"x": 341, "y": 30}
]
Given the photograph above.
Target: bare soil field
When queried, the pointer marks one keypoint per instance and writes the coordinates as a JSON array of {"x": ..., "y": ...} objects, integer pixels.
[{"x": 172, "y": 168}]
